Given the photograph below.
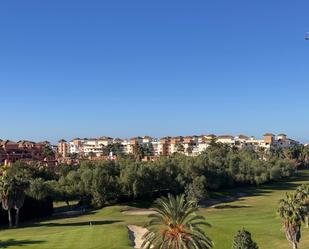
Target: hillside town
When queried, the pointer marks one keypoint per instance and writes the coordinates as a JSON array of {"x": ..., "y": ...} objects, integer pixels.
[{"x": 149, "y": 148}]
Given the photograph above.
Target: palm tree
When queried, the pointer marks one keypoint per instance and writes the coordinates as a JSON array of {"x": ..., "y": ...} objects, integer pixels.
[
  {"x": 48, "y": 152},
  {"x": 13, "y": 195},
  {"x": 189, "y": 150},
  {"x": 14, "y": 183},
  {"x": 302, "y": 193},
  {"x": 180, "y": 148},
  {"x": 138, "y": 152},
  {"x": 292, "y": 213},
  {"x": 7, "y": 204},
  {"x": 175, "y": 225},
  {"x": 305, "y": 156}
]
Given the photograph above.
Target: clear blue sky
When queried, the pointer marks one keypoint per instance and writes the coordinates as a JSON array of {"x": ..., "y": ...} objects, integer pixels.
[{"x": 124, "y": 68}]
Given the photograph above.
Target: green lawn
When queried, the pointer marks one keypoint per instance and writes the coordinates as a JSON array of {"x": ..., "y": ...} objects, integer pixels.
[{"x": 106, "y": 228}]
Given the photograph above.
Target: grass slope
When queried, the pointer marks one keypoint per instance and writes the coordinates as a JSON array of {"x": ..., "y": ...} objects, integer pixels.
[{"x": 106, "y": 228}]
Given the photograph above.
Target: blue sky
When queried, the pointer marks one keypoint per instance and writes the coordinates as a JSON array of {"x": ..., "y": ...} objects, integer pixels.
[{"x": 126, "y": 68}]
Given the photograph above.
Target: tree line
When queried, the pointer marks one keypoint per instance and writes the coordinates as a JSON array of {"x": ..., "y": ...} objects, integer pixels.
[{"x": 220, "y": 166}]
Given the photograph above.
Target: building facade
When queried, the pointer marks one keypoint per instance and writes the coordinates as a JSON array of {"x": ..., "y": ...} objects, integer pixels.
[
  {"x": 188, "y": 145},
  {"x": 24, "y": 150}
]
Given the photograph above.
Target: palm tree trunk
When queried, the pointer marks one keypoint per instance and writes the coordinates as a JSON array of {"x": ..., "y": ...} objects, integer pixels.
[
  {"x": 10, "y": 218},
  {"x": 294, "y": 245},
  {"x": 17, "y": 217}
]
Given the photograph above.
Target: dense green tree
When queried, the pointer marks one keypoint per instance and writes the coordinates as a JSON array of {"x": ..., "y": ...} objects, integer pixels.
[
  {"x": 196, "y": 191},
  {"x": 40, "y": 189},
  {"x": 103, "y": 187},
  {"x": 127, "y": 178},
  {"x": 67, "y": 188}
]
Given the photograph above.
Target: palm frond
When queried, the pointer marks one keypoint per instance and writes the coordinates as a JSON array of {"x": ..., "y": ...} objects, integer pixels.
[{"x": 176, "y": 225}]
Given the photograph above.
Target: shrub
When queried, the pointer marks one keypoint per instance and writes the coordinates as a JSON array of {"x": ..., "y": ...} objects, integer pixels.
[{"x": 243, "y": 240}]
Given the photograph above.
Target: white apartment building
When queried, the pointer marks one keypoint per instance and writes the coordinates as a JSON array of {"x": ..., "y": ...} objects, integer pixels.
[
  {"x": 189, "y": 145},
  {"x": 104, "y": 141},
  {"x": 74, "y": 149},
  {"x": 92, "y": 146},
  {"x": 126, "y": 146},
  {"x": 226, "y": 139},
  {"x": 284, "y": 142},
  {"x": 155, "y": 145},
  {"x": 76, "y": 146},
  {"x": 203, "y": 143},
  {"x": 147, "y": 140}
]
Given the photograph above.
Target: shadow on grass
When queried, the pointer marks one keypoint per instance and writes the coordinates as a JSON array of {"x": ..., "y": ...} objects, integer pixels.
[
  {"x": 65, "y": 215},
  {"x": 72, "y": 214},
  {"x": 83, "y": 223},
  {"x": 12, "y": 242}
]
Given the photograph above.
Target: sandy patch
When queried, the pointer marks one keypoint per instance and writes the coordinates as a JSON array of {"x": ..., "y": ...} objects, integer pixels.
[
  {"x": 139, "y": 212},
  {"x": 136, "y": 234}
]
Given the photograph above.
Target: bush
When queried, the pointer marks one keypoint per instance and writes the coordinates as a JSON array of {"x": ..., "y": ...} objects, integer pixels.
[{"x": 243, "y": 240}]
